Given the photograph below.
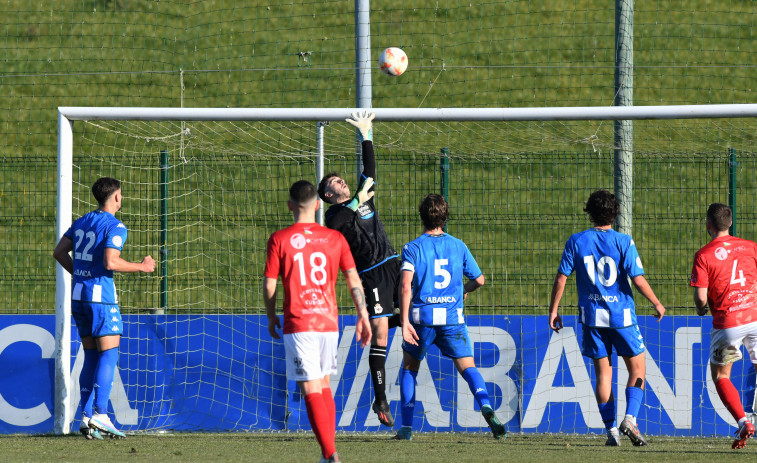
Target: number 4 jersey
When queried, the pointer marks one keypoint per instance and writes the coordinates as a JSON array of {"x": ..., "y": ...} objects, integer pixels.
[
  {"x": 308, "y": 257},
  {"x": 727, "y": 267},
  {"x": 92, "y": 234},
  {"x": 603, "y": 261}
]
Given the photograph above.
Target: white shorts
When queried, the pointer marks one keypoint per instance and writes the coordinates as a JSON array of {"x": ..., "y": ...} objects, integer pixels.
[
  {"x": 311, "y": 355},
  {"x": 725, "y": 343}
]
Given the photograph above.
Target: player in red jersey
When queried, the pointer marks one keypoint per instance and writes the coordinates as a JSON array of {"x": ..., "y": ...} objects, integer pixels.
[
  {"x": 308, "y": 257},
  {"x": 724, "y": 278}
]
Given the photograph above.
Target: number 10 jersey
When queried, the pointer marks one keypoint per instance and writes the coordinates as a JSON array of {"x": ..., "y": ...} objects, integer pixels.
[{"x": 603, "y": 261}]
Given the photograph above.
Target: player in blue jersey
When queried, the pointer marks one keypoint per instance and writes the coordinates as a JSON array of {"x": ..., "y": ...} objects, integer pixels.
[
  {"x": 431, "y": 305},
  {"x": 96, "y": 240},
  {"x": 603, "y": 261}
]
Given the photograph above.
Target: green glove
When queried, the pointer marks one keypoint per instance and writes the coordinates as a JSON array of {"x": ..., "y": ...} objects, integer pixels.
[
  {"x": 364, "y": 124},
  {"x": 362, "y": 195}
]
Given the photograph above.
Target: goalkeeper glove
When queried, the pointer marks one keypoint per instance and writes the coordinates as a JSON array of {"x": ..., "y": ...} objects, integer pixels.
[
  {"x": 362, "y": 195},
  {"x": 364, "y": 124}
]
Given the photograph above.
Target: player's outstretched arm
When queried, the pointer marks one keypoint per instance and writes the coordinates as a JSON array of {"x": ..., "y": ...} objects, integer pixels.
[
  {"x": 558, "y": 288},
  {"x": 406, "y": 300},
  {"x": 643, "y": 286},
  {"x": 700, "y": 300},
  {"x": 364, "y": 123},
  {"x": 363, "y": 332},
  {"x": 62, "y": 254},
  {"x": 113, "y": 261},
  {"x": 269, "y": 298}
]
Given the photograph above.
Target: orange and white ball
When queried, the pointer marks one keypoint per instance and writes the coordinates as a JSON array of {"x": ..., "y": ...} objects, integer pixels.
[{"x": 393, "y": 61}]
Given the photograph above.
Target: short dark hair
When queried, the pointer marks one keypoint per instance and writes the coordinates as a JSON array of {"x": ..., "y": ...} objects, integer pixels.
[
  {"x": 324, "y": 183},
  {"x": 302, "y": 192},
  {"x": 720, "y": 216},
  {"x": 434, "y": 211},
  {"x": 603, "y": 207},
  {"x": 104, "y": 188}
]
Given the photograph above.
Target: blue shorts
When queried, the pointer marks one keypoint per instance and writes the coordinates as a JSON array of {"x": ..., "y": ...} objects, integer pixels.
[
  {"x": 452, "y": 340},
  {"x": 96, "y": 320},
  {"x": 597, "y": 343}
]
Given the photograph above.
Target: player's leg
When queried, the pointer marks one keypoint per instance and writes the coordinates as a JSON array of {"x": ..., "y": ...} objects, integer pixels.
[
  {"x": 411, "y": 362},
  {"x": 630, "y": 345},
  {"x": 377, "y": 364},
  {"x": 82, "y": 314},
  {"x": 380, "y": 286},
  {"x": 310, "y": 359},
  {"x": 725, "y": 349},
  {"x": 107, "y": 347},
  {"x": 595, "y": 346},
  {"x": 408, "y": 376},
  {"x": 454, "y": 342}
]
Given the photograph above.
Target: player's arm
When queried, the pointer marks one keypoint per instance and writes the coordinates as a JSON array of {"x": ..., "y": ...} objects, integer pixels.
[
  {"x": 62, "y": 254},
  {"x": 364, "y": 123},
  {"x": 363, "y": 332},
  {"x": 472, "y": 285},
  {"x": 643, "y": 286},
  {"x": 558, "y": 288},
  {"x": 112, "y": 261},
  {"x": 269, "y": 298},
  {"x": 700, "y": 300},
  {"x": 406, "y": 301}
]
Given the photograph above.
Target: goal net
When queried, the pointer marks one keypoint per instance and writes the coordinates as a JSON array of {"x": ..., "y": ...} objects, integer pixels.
[{"x": 203, "y": 190}]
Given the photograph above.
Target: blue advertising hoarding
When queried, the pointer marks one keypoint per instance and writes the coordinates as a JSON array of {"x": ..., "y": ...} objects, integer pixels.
[{"x": 224, "y": 372}]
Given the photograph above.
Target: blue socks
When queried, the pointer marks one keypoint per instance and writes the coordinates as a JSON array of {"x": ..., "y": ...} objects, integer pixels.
[
  {"x": 87, "y": 381},
  {"x": 607, "y": 411},
  {"x": 106, "y": 369},
  {"x": 477, "y": 386},
  {"x": 407, "y": 395},
  {"x": 634, "y": 396}
]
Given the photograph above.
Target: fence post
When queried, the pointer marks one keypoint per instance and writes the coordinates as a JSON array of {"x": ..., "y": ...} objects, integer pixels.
[
  {"x": 732, "y": 165},
  {"x": 164, "y": 166},
  {"x": 444, "y": 167}
]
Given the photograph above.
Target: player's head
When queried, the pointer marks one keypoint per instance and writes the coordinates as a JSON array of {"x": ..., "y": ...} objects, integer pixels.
[
  {"x": 104, "y": 188},
  {"x": 603, "y": 207},
  {"x": 302, "y": 195},
  {"x": 333, "y": 188},
  {"x": 719, "y": 217},
  {"x": 434, "y": 211}
]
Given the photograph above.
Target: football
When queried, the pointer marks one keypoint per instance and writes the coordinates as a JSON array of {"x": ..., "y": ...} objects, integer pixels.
[{"x": 393, "y": 61}]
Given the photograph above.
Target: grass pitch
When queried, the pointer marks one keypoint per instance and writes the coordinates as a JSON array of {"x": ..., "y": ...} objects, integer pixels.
[{"x": 366, "y": 448}]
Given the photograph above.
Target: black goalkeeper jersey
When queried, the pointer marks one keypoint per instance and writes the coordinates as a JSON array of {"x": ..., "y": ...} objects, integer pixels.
[{"x": 363, "y": 229}]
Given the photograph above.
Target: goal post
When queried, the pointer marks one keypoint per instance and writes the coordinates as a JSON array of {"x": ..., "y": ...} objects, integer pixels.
[{"x": 289, "y": 143}]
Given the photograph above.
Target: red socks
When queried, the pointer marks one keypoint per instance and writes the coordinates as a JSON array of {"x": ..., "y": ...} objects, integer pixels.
[
  {"x": 730, "y": 398},
  {"x": 322, "y": 416}
]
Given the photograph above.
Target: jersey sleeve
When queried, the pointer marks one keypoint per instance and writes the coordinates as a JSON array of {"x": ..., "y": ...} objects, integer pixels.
[
  {"x": 470, "y": 267},
  {"x": 409, "y": 257},
  {"x": 272, "y": 261},
  {"x": 369, "y": 160},
  {"x": 699, "y": 278},
  {"x": 632, "y": 262},
  {"x": 116, "y": 237},
  {"x": 567, "y": 260},
  {"x": 346, "y": 261}
]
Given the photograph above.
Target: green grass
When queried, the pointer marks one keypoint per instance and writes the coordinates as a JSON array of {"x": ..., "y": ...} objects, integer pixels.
[{"x": 367, "y": 448}]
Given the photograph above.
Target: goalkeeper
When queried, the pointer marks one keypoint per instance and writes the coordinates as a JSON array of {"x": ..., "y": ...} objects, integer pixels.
[{"x": 377, "y": 261}]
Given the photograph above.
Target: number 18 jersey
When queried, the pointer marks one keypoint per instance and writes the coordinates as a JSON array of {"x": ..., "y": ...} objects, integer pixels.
[
  {"x": 603, "y": 261},
  {"x": 308, "y": 257}
]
